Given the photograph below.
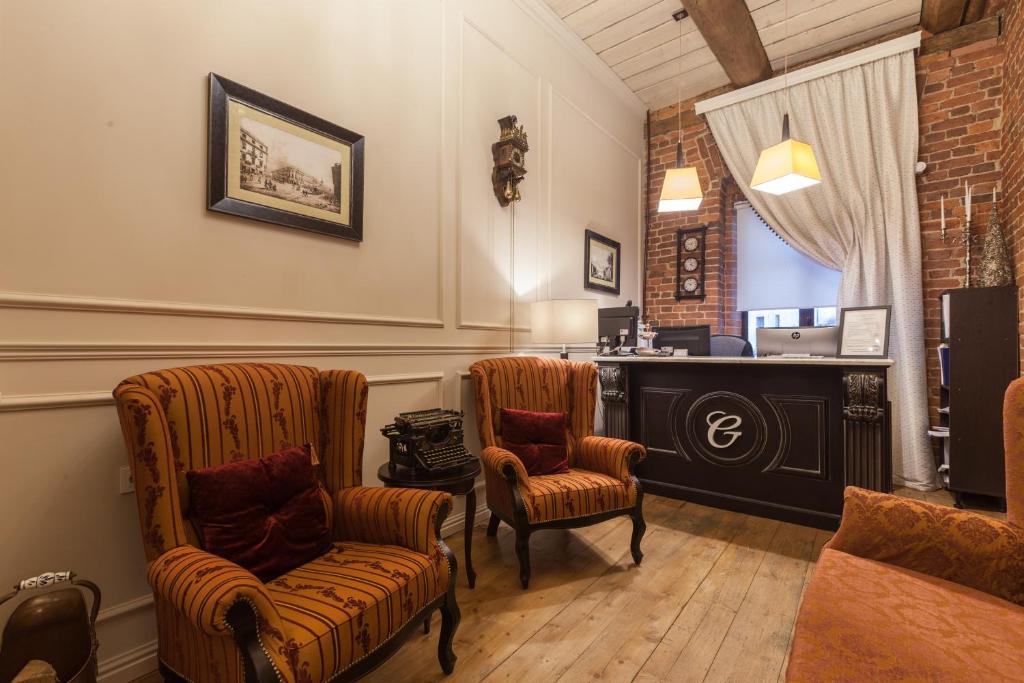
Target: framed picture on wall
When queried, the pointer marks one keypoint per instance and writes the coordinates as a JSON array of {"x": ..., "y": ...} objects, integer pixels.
[
  {"x": 864, "y": 332},
  {"x": 601, "y": 267},
  {"x": 274, "y": 163}
]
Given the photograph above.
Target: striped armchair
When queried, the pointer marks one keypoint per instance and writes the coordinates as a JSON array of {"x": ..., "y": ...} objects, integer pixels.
[
  {"x": 334, "y": 618},
  {"x": 600, "y": 483}
]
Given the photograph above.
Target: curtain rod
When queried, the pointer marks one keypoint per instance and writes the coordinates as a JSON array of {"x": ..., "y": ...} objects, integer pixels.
[{"x": 873, "y": 53}]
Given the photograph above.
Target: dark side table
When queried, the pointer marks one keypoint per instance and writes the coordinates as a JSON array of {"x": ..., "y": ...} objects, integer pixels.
[{"x": 458, "y": 482}]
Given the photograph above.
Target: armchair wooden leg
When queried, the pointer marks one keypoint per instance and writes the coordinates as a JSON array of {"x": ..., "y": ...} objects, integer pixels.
[
  {"x": 450, "y": 617},
  {"x": 639, "y": 527},
  {"x": 523, "y": 553},
  {"x": 492, "y": 525}
]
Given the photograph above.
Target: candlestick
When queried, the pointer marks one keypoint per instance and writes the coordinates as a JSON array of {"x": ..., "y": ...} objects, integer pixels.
[
  {"x": 942, "y": 218},
  {"x": 966, "y": 238}
]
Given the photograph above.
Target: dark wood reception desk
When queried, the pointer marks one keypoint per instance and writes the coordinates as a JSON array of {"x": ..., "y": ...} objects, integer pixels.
[{"x": 776, "y": 437}]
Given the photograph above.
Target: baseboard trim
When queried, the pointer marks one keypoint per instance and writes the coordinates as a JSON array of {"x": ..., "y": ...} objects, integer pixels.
[{"x": 130, "y": 664}]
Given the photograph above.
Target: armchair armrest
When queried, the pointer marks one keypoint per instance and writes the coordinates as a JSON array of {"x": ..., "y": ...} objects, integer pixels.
[
  {"x": 410, "y": 518},
  {"x": 964, "y": 547},
  {"x": 614, "y": 457},
  {"x": 203, "y": 587},
  {"x": 222, "y": 599},
  {"x": 502, "y": 463}
]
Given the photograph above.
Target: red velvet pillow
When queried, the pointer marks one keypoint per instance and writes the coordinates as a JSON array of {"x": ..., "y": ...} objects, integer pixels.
[
  {"x": 266, "y": 515},
  {"x": 537, "y": 439}
]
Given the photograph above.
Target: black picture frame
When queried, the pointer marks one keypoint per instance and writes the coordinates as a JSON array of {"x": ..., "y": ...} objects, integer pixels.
[
  {"x": 842, "y": 332},
  {"x": 223, "y": 91},
  {"x": 701, "y": 234},
  {"x": 588, "y": 281}
]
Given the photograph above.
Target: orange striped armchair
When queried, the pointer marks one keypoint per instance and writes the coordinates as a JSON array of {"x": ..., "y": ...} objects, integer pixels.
[
  {"x": 600, "y": 483},
  {"x": 334, "y": 618}
]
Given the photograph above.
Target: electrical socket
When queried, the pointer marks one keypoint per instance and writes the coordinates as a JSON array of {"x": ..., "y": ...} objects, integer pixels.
[{"x": 126, "y": 483}]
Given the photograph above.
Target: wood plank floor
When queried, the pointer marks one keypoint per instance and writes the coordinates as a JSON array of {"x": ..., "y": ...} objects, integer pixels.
[{"x": 715, "y": 599}]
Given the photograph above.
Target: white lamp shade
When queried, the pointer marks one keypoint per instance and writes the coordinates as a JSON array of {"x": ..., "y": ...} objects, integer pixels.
[
  {"x": 564, "y": 321},
  {"x": 785, "y": 167},
  {"x": 681, "y": 190}
]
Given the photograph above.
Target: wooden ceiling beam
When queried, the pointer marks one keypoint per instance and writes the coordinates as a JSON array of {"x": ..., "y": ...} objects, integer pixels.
[
  {"x": 942, "y": 15},
  {"x": 730, "y": 33},
  {"x": 975, "y": 11}
]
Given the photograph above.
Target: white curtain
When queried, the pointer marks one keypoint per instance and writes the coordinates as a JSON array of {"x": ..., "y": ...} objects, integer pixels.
[{"x": 863, "y": 217}]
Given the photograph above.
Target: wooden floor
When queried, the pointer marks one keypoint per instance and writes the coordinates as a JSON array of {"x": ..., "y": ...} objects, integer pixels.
[{"x": 715, "y": 599}]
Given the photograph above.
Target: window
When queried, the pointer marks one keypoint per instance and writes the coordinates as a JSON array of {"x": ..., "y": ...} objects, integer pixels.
[{"x": 777, "y": 285}]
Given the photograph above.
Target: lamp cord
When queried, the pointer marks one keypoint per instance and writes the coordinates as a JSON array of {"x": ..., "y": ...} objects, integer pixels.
[{"x": 785, "y": 59}]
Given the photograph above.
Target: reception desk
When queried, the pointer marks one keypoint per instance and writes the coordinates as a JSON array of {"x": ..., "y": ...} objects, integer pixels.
[{"x": 776, "y": 437}]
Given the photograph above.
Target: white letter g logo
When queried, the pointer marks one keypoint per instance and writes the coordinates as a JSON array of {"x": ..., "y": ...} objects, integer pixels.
[{"x": 718, "y": 421}]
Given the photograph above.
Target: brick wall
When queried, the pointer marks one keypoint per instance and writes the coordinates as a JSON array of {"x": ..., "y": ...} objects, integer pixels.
[
  {"x": 960, "y": 96},
  {"x": 718, "y": 308},
  {"x": 1012, "y": 195},
  {"x": 961, "y": 118}
]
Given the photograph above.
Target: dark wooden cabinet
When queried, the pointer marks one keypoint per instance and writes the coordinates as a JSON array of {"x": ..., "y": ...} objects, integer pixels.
[{"x": 983, "y": 360}]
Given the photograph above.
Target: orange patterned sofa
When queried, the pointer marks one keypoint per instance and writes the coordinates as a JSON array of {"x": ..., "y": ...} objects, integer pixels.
[
  {"x": 334, "y": 618},
  {"x": 600, "y": 483},
  {"x": 907, "y": 590}
]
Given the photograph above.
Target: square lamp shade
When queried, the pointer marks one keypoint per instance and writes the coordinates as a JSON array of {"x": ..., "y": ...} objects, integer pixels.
[
  {"x": 564, "y": 321},
  {"x": 681, "y": 190},
  {"x": 785, "y": 167}
]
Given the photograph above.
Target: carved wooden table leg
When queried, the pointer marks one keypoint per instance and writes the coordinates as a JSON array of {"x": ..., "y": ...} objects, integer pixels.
[{"x": 470, "y": 519}]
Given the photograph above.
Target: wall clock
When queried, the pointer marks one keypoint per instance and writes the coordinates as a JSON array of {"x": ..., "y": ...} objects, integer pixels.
[{"x": 690, "y": 248}]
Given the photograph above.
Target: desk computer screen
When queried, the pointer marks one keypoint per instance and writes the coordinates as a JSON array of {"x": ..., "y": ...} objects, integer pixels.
[
  {"x": 696, "y": 339},
  {"x": 813, "y": 341}
]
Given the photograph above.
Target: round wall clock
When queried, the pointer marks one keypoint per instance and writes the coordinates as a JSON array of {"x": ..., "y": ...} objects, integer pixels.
[{"x": 690, "y": 258}]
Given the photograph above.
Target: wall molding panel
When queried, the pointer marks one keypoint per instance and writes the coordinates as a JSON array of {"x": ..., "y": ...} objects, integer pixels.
[
  {"x": 54, "y": 351},
  {"x": 60, "y": 302}
]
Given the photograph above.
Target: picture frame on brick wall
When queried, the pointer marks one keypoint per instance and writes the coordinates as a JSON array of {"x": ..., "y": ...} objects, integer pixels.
[{"x": 690, "y": 257}]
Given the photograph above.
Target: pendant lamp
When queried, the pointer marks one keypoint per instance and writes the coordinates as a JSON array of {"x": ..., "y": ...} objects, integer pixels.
[
  {"x": 680, "y": 190},
  {"x": 789, "y": 165}
]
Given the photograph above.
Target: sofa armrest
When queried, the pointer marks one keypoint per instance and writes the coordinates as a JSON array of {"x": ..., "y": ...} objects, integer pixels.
[
  {"x": 614, "y": 457},
  {"x": 964, "y": 547},
  {"x": 410, "y": 518}
]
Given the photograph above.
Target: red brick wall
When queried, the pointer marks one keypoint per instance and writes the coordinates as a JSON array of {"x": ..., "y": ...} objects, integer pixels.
[
  {"x": 961, "y": 123},
  {"x": 960, "y": 96},
  {"x": 718, "y": 308},
  {"x": 1012, "y": 195}
]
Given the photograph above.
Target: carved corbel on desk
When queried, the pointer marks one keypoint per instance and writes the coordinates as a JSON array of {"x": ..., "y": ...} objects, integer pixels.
[{"x": 867, "y": 430}]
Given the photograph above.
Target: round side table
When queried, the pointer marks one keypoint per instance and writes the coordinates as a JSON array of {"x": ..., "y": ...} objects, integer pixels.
[{"x": 458, "y": 482}]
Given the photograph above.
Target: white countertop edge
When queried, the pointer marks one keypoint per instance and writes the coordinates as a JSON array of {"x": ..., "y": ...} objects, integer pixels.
[{"x": 734, "y": 360}]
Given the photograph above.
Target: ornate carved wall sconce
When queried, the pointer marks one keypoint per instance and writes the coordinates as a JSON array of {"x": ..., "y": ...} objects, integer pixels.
[{"x": 509, "y": 161}]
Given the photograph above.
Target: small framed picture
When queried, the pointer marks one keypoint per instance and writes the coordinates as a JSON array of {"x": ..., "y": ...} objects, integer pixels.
[
  {"x": 272, "y": 162},
  {"x": 864, "y": 332},
  {"x": 601, "y": 267}
]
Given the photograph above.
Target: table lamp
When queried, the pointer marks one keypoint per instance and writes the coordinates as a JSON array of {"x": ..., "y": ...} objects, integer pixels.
[{"x": 564, "y": 321}]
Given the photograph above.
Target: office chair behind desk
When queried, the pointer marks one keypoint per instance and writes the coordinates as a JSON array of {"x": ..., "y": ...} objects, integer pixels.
[{"x": 730, "y": 345}]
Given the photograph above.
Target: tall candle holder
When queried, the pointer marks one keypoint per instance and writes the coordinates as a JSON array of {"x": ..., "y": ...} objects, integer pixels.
[
  {"x": 965, "y": 238},
  {"x": 965, "y": 235}
]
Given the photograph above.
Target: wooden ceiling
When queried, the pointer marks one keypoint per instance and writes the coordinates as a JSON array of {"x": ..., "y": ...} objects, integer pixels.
[{"x": 640, "y": 40}]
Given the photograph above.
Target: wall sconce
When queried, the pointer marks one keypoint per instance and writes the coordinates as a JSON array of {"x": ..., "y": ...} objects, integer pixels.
[{"x": 509, "y": 161}]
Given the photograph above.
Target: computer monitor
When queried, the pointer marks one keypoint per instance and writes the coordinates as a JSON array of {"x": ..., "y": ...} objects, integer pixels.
[
  {"x": 696, "y": 339},
  {"x": 617, "y": 326},
  {"x": 813, "y": 341}
]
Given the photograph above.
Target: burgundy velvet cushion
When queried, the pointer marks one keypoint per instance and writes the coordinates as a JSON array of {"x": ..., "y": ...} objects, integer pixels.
[
  {"x": 265, "y": 515},
  {"x": 537, "y": 439}
]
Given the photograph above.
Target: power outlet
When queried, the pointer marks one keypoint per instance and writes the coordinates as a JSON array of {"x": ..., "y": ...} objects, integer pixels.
[{"x": 126, "y": 483}]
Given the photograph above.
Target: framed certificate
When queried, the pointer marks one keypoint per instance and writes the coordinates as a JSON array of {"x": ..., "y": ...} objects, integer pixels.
[{"x": 864, "y": 332}]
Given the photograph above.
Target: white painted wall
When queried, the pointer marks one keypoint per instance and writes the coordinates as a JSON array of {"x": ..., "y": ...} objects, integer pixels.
[{"x": 110, "y": 263}]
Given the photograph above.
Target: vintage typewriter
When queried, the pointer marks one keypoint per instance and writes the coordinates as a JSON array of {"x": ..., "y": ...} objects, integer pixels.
[{"x": 427, "y": 440}]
